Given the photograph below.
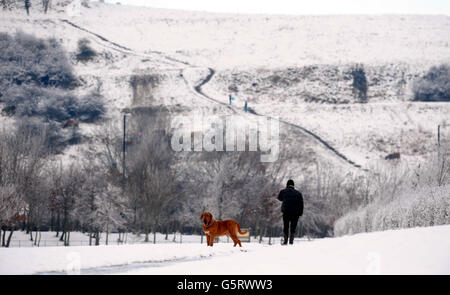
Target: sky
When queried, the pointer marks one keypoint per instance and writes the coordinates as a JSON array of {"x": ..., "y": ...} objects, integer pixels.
[{"x": 302, "y": 7}]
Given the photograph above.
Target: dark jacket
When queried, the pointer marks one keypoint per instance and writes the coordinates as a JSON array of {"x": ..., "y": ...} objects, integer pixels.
[{"x": 292, "y": 201}]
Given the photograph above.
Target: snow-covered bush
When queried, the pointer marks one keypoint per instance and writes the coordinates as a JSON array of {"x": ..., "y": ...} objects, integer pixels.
[
  {"x": 434, "y": 86},
  {"x": 37, "y": 79},
  {"x": 360, "y": 85},
  {"x": 25, "y": 59},
  {"x": 85, "y": 52},
  {"x": 426, "y": 206}
]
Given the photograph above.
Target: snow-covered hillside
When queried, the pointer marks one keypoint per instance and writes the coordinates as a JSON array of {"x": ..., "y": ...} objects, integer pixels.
[
  {"x": 228, "y": 40},
  {"x": 410, "y": 251},
  {"x": 294, "y": 67}
]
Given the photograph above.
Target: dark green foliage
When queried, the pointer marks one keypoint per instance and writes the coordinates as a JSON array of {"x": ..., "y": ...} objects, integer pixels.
[
  {"x": 85, "y": 52},
  {"x": 360, "y": 85},
  {"x": 434, "y": 86}
]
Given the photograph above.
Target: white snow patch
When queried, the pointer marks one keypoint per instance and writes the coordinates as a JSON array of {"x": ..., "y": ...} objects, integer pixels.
[{"x": 408, "y": 251}]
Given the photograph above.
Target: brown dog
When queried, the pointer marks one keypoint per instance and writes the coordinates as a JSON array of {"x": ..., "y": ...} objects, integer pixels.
[{"x": 214, "y": 228}]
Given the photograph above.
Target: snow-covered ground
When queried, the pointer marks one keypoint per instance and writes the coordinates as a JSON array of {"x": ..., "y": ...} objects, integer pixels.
[
  {"x": 408, "y": 251},
  {"x": 229, "y": 40}
]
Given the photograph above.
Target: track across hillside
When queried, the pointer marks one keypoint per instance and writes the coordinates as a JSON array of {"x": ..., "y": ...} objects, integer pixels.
[{"x": 198, "y": 89}]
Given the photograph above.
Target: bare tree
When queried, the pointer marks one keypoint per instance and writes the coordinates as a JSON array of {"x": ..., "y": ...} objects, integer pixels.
[
  {"x": 46, "y": 5},
  {"x": 67, "y": 183},
  {"x": 6, "y": 4},
  {"x": 11, "y": 212},
  {"x": 150, "y": 176},
  {"x": 22, "y": 153}
]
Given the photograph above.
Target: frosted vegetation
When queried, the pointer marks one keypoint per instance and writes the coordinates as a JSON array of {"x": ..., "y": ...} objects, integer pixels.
[
  {"x": 409, "y": 198},
  {"x": 427, "y": 206},
  {"x": 62, "y": 100},
  {"x": 37, "y": 81}
]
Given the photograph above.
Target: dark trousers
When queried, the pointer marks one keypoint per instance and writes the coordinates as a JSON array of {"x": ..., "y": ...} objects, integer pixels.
[{"x": 290, "y": 224}]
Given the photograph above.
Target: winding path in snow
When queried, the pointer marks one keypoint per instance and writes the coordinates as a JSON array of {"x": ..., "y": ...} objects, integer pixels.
[
  {"x": 211, "y": 73},
  {"x": 198, "y": 89}
]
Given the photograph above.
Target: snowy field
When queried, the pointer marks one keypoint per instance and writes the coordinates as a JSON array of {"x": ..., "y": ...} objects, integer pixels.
[{"x": 409, "y": 251}]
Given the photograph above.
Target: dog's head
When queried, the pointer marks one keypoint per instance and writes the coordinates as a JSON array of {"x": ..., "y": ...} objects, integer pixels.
[{"x": 206, "y": 217}]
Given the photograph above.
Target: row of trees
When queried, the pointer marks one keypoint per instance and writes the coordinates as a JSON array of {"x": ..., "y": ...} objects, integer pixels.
[
  {"x": 164, "y": 191},
  {"x": 159, "y": 190},
  {"x": 38, "y": 193}
]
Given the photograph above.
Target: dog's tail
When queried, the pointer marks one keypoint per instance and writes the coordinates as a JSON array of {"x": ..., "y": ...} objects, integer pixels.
[{"x": 241, "y": 232}]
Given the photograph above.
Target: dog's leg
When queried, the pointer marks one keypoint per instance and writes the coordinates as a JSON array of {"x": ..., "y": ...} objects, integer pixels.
[{"x": 235, "y": 240}]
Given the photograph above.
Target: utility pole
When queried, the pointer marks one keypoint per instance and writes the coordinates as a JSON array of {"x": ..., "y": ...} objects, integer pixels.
[
  {"x": 124, "y": 150},
  {"x": 124, "y": 168},
  {"x": 439, "y": 164},
  {"x": 439, "y": 143}
]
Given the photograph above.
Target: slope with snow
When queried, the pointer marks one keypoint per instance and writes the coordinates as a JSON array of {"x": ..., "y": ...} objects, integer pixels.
[
  {"x": 408, "y": 251},
  {"x": 295, "y": 61}
]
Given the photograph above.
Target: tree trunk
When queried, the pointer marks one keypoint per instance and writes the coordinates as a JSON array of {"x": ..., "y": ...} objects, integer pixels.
[
  {"x": 263, "y": 233},
  {"x": 58, "y": 222},
  {"x": 174, "y": 228},
  {"x": 270, "y": 236},
  {"x": 39, "y": 241},
  {"x": 52, "y": 221},
  {"x": 256, "y": 229},
  {"x": 9, "y": 237},
  {"x": 97, "y": 238},
  {"x": 167, "y": 231},
  {"x": 35, "y": 237},
  {"x": 155, "y": 228},
  {"x": 64, "y": 229},
  {"x": 107, "y": 233},
  {"x": 146, "y": 233},
  {"x": 67, "y": 240},
  {"x": 4, "y": 237}
]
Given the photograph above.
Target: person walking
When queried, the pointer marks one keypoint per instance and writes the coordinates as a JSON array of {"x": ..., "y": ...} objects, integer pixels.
[
  {"x": 246, "y": 106},
  {"x": 230, "y": 98},
  {"x": 292, "y": 208}
]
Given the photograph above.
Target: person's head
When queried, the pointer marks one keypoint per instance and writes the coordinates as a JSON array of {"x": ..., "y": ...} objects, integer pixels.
[{"x": 290, "y": 183}]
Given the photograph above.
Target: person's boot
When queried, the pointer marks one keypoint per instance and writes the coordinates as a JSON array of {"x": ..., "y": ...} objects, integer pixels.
[
  {"x": 291, "y": 239},
  {"x": 285, "y": 241}
]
